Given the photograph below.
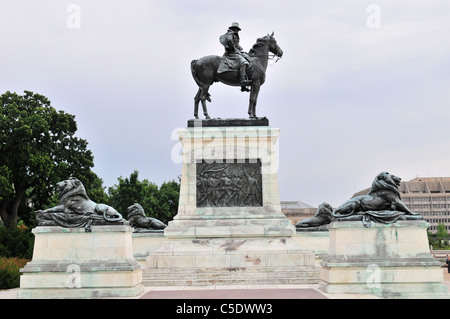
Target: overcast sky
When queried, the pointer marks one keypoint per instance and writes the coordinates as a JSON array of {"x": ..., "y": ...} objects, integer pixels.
[{"x": 363, "y": 86}]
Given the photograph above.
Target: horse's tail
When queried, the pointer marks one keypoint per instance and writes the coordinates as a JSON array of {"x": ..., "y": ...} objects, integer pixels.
[
  {"x": 204, "y": 94},
  {"x": 194, "y": 73}
]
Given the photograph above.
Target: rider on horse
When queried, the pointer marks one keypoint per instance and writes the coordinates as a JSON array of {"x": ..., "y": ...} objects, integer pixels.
[
  {"x": 235, "y": 58},
  {"x": 213, "y": 68}
]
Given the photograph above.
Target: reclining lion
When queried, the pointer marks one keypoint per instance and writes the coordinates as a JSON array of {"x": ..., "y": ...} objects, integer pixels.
[
  {"x": 384, "y": 197},
  {"x": 142, "y": 223},
  {"x": 75, "y": 209},
  {"x": 322, "y": 218}
]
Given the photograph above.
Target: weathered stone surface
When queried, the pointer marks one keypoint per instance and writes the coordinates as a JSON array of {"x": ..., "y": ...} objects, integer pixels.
[
  {"x": 388, "y": 260},
  {"x": 216, "y": 240},
  {"x": 180, "y": 262},
  {"x": 72, "y": 263},
  {"x": 227, "y": 145},
  {"x": 316, "y": 241}
]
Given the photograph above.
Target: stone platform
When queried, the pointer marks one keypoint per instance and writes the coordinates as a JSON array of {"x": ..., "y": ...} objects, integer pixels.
[
  {"x": 226, "y": 261},
  {"x": 73, "y": 263},
  {"x": 229, "y": 228},
  {"x": 387, "y": 260}
]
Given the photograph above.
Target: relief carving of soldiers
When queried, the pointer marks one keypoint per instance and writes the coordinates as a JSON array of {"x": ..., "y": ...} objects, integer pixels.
[
  {"x": 228, "y": 185},
  {"x": 252, "y": 190}
]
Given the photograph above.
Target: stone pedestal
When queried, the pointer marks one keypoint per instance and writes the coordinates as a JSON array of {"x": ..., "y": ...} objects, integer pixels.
[
  {"x": 144, "y": 243},
  {"x": 390, "y": 261},
  {"x": 229, "y": 228},
  {"x": 73, "y": 263},
  {"x": 316, "y": 241}
]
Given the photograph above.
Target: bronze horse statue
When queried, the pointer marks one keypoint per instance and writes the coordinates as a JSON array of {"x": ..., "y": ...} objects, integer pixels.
[{"x": 204, "y": 71}]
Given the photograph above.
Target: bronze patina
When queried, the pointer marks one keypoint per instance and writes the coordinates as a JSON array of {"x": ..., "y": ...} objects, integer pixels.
[{"x": 235, "y": 68}]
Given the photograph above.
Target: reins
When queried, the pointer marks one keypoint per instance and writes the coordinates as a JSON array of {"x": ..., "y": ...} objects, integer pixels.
[{"x": 272, "y": 57}]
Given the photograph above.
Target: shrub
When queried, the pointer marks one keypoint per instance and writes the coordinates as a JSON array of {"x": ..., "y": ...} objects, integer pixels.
[
  {"x": 9, "y": 272},
  {"x": 16, "y": 242}
]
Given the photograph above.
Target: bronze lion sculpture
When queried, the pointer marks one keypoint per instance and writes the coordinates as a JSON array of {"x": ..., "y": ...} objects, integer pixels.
[
  {"x": 322, "y": 218},
  {"x": 75, "y": 209},
  {"x": 383, "y": 195},
  {"x": 142, "y": 223},
  {"x": 382, "y": 204}
]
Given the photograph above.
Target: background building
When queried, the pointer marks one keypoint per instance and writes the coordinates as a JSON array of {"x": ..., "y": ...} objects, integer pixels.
[
  {"x": 297, "y": 210},
  {"x": 429, "y": 196}
]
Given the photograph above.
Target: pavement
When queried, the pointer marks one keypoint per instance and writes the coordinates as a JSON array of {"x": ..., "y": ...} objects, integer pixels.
[{"x": 309, "y": 291}]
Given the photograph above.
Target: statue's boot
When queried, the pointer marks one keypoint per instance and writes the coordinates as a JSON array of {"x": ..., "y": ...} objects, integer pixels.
[{"x": 244, "y": 81}]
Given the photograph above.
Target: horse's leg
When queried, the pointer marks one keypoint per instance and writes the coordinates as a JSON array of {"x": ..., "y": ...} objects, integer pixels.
[
  {"x": 205, "y": 96},
  {"x": 251, "y": 109},
  {"x": 253, "y": 99},
  {"x": 205, "y": 111},
  {"x": 196, "y": 101}
]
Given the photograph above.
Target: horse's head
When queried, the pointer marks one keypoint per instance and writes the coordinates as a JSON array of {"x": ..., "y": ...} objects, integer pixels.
[
  {"x": 267, "y": 42},
  {"x": 273, "y": 46}
]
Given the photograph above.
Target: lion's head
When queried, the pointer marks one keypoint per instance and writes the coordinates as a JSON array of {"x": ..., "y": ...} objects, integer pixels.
[
  {"x": 386, "y": 181},
  {"x": 322, "y": 217},
  {"x": 324, "y": 211},
  {"x": 135, "y": 210},
  {"x": 70, "y": 187},
  {"x": 138, "y": 219}
]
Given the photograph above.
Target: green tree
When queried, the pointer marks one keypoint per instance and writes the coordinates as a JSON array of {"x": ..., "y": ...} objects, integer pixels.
[
  {"x": 94, "y": 188},
  {"x": 168, "y": 196},
  {"x": 160, "y": 203},
  {"x": 441, "y": 234},
  {"x": 38, "y": 149},
  {"x": 131, "y": 190},
  {"x": 441, "y": 231}
]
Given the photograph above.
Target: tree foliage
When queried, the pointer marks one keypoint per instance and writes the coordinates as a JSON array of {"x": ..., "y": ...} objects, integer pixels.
[
  {"x": 158, "y": 202},
  {"x": 38, "y": 148},
  {"x": 441, "y": 232},
  {"x": 440, "y": 239},
  {"x": 16, "y": 242}
]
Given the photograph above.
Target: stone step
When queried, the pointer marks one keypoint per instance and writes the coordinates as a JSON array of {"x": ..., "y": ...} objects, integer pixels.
[
  {"x": 297, "y": 273},
  {"x": 227, "y": 276},
  {"x": 267, "y": 269},
  {"x": 209, "y": 282}
]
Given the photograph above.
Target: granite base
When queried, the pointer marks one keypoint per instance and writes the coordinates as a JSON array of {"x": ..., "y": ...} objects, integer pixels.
[
  {"x": 72, "y": 263},
  {"x": 387, "y": 260}
]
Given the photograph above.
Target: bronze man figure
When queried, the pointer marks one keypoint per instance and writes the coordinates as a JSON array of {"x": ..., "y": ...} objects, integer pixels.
[
  {"x": 212, "y": 68},
  {"x": 234, "y": 56}
]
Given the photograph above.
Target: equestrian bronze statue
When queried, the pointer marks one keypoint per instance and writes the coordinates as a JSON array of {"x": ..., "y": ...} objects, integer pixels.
[{"x": 235, "y": 68}]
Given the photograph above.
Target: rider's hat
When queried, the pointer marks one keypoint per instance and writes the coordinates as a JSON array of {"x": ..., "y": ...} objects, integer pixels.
[{"x": 235, "y": 25}]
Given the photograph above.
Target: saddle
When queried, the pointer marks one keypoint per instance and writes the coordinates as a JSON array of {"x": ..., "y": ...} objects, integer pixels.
[{"x": 232, "y": 62}]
